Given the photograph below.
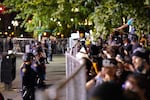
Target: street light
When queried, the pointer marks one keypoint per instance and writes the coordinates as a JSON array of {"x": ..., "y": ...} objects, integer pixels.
[
  {"x": 9, "y": 27},
  {"x": 1, "y": 9},
  {"x": 15, "y": 24}
]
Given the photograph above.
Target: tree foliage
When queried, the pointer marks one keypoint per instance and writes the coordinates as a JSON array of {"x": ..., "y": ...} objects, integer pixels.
[
  {"x": 64, "y": 15},
  {"x": 54, "y": 15},
  {"x": 110, "y": 13}
]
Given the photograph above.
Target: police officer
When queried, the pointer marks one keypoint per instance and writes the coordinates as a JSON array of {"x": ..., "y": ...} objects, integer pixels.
[
  {"x": 39, "y": 66},
  {"x": 29, "y": 77}
]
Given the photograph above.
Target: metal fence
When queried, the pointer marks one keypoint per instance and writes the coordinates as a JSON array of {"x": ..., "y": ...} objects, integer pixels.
[
  {"x": 20, "y": 44},
  {"x": 72, "y": 88}
]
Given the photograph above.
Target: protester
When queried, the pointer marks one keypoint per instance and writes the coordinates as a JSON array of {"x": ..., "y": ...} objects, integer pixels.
[
  {"x": 138, "y": 84},
  {"x": 107, "y": 91},
  {"x": 1, "y": 96},
  {"x": 140, "y": 60},
  {"x": 130, "y": 95},
  {"x": 107, "y": 74},
  {"x": 135, "y": 43},
  {"x": 130, "y": 21}
]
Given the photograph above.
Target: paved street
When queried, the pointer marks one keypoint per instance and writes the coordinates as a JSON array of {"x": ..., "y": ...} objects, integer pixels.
[{"x": 55, "y": 71}]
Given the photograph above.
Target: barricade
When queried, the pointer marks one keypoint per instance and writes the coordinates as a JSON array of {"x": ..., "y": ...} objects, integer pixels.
[
  {"x": 72, "y": 88},
  {"x": 20, "y": 44}
]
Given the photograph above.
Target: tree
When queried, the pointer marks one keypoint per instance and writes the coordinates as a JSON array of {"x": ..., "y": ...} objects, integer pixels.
[
  {"x": 110, "y": 13},
  {"x": 65, "y": 15},
  {"x": 54, "y": 15}
]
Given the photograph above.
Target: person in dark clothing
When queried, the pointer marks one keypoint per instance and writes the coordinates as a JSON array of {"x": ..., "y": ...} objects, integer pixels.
[
  {"x": 134, "y": 42},
  {"x": 50, "y": 51},
  {"x": 45, "y": 46},
  {"x": 88, "y": 68},
  {"x": 41, "y": 67},
  {"x": 1, "y": 96},
  {"x": 10, "y": 44},
  {"x": 127, "y": 46},
  {"x": 94, "y": 50},
  {"x": 1, "y": 46},
  {"x": 39, "y": 47},
  {"x": 140, "y": 60},
  {"x": 130, "y": 95},
  {"x": 39, "y": 70},
  {"x": 138, "y": 84},
  {"x": 29, "y": 78},
  {"x": 107, "y": 91}
]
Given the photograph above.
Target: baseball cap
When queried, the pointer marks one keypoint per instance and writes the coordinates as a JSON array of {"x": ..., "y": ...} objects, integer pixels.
[
  {"x": 109, "y": 63},
  {"x": 141, "y": 52}
]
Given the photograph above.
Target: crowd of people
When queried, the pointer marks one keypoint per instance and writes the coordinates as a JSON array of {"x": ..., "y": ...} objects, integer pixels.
[{"x": 118, "y": 68}]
